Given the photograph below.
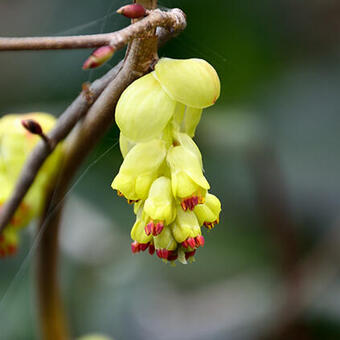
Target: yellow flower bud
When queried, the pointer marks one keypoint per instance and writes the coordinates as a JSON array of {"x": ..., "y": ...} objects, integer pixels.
[
  {"x": 165, "y": 240},
  {"x": 137, "y": 232},
  {"x": 139, "y": 169},
  {"x": 144, "y": 110},
  {"x": 188, "y": 182},
  {"x": 185, "y": 226},
  {"x": 193, "y": 82},
  {"x": 159, "y": 208},
  {"x": 209, "y": 212}
]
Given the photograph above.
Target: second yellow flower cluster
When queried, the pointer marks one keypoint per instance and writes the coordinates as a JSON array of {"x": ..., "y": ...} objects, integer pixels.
[
  {"x": 15, "y": 145},
  {"x": 162, "y": 173}
]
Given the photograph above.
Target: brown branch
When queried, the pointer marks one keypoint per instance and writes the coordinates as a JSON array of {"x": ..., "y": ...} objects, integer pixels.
[
  {"x": 65, "y": 124},
  {"x": 98, "y": 119},
  {"x": 52, "y": 319},
  {"x": 173, "y": 19}
]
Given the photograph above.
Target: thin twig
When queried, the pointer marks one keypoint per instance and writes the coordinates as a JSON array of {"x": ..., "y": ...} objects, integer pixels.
[
  {"x": 173, "y": 19},
  {"x": 65, "y": 124}
]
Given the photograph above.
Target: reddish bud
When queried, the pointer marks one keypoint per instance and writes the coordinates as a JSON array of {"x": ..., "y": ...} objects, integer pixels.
[
  {"x": 32, "y": 126},
  {"x": 98, "y": 57},
  {"x": 132, "y": 11}
]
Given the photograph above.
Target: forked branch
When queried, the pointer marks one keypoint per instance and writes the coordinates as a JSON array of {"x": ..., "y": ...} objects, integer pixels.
[{"x": 173, "y": 19}]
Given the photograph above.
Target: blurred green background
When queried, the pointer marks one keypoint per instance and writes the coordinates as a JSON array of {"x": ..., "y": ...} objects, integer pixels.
[{"x": 270, "y": 146}]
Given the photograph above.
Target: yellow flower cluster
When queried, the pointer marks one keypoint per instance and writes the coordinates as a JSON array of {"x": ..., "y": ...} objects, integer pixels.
[
  {"x": 15, "y": 145},
  {"x": 162, "y": 172}
]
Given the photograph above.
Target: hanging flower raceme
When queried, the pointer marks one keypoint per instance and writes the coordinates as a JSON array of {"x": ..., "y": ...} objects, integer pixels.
[
  {"x": 16, "y": 142},
  {"x": 162, "y": 171}
]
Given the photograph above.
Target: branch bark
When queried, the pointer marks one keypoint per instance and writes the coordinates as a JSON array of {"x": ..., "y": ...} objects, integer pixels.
[{"x": 173, "y": 19}]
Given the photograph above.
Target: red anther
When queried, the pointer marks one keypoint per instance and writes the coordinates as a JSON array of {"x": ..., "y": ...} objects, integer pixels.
[
  {"x": 149, "y": 228},
  {"x": 11, "y": 249},
  {"x": 189, "y": 254},
  {"x": 185, "y": 244},
  {"x": 120, "y": 194},
  {"x": 135, "y": 247},
  {"x": 172, "y": 256},
  {"x": 183, "y": 205},
  {"x": 158, "y": 228},
  {"x": 151, "y": 249},
  {"x": 132, "y": 11},
  {"x": 201, "y": 199},
  {"x": 143, "y": 246},
  {"x": 191, "y": 242},
  {"x": 195, "y": 201},
  {"x": 98, "y": 57},
  {"x": 162, "y": 253},
  {"x": 199, "y": 240},
  {"x": 210, "y": 225},
  {"x": 32, "y": 126}
]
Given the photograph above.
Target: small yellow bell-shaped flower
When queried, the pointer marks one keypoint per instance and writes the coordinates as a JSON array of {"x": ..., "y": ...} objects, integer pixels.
[
  {"x": 186, "y": 228},
  {"x": 192, "y": 82},
  {"x": 144, "y": 110},
  {"x": 159, "y": 208},
  {"x": 166, "y": 245},
  {"x": 188, "y": 183},
  {"x": 208, "y": 213},
  {"x": 139, "y": 169},
  {"x": 137, "y": 232}
]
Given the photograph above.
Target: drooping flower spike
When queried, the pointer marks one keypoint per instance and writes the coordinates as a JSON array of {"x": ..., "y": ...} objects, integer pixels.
[{"x": 162, "y": 171}]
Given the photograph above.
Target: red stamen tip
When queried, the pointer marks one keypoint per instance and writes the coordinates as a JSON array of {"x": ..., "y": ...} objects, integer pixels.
[
  {"x": 151, "y": 249},
  {"x": 200, "y": 240},
  {"x": 189, "y": 254},
  {"x": 191, "y": 242},
  {"x": 135, "y": 247}
]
